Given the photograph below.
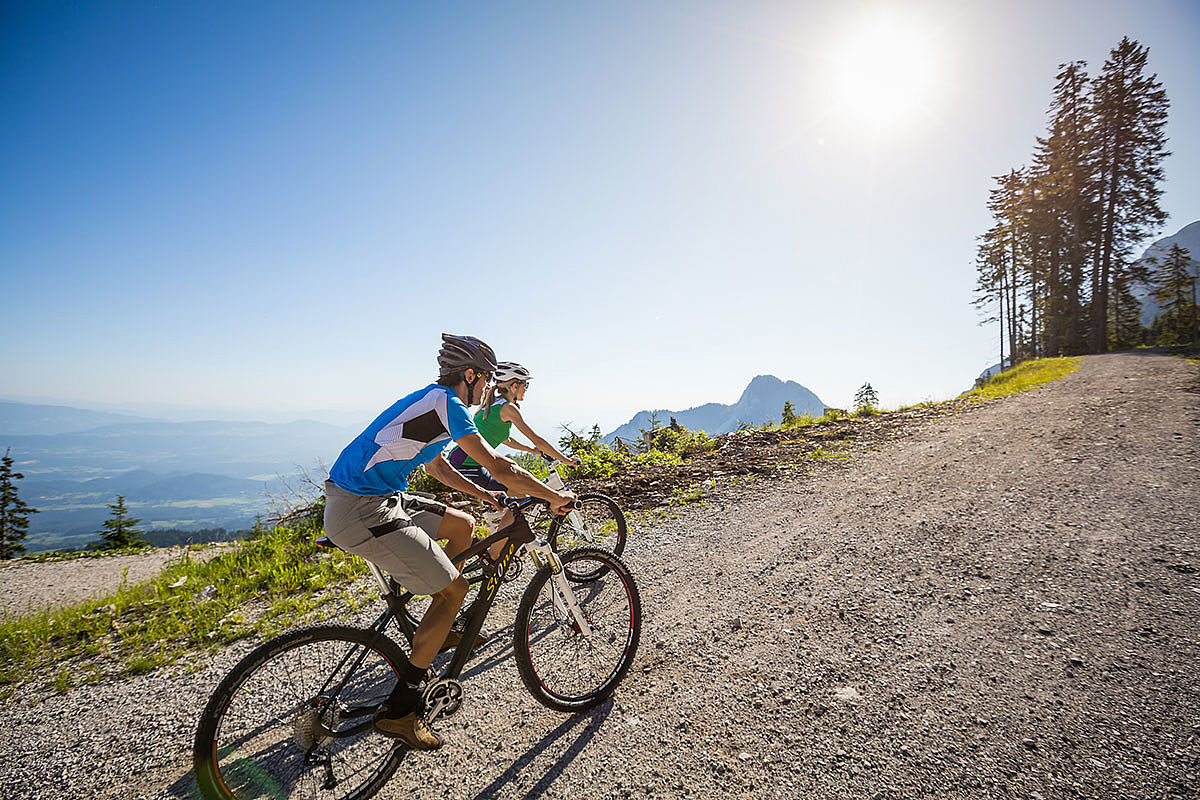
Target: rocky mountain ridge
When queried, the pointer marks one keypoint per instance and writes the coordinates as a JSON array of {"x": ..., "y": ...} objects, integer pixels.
[{"x": 761, "y": 400}]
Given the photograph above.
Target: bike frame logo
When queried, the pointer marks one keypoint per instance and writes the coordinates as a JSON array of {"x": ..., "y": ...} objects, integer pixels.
[{"x": 494, "y": 581}]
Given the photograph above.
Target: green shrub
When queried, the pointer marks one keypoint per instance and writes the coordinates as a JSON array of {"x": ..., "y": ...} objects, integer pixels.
[
  {"x": 533, "y": 464},
  {"x": 799, "y": 421},
  {"x": 421, "y": 481},
  {"x": 669, "y": 447},
  {"x": 657, "y": 458},
  {"x": 681, "y": 441},
  {"x": 596, "y": 459}
]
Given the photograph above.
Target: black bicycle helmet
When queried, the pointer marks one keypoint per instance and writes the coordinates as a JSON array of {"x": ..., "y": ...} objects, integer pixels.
[{"x": 460, "y": 352}]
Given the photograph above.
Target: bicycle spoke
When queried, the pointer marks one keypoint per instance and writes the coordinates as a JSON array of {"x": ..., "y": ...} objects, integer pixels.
[
  {"x": 561, "y": 665},
  {"x": 263, "y": 751}
]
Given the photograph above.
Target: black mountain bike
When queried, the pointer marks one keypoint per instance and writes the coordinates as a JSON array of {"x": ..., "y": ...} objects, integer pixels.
[{"x": 294, "y": 717}]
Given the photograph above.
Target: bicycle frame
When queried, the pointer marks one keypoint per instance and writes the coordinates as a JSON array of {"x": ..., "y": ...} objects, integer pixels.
[{"x": 515, "y": 535}]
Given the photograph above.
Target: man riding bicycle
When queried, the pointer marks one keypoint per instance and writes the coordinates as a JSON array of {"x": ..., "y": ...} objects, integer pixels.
[{"x": 368, "y": 513}]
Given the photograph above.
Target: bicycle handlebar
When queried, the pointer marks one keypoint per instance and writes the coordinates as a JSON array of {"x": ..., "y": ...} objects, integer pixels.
[{"x": 522, "y": 503}]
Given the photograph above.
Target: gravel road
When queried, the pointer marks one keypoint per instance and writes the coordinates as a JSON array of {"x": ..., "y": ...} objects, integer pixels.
[
  {"x": 33, "y": 586},
  {"x": 1001, "y": 603}
]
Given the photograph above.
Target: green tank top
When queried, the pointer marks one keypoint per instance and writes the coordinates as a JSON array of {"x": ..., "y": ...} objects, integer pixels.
[{"x": 493, "y": 429}]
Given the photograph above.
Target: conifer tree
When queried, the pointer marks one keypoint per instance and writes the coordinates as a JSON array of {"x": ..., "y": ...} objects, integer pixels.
[
  {"x": 866, "y": 397},
  {"x": 1005, "y": 249},
  {"x": 1175, "y": 289},
  {"x": 120, "y": 530},
  {"x": 14, "y": 512},
  {"x": 1065, "y": 169},
  {"x": 1130, "y": 142},
  {"x": 789, "y": 413},
  {"x": 1125, "y": 311},
  {"x": 1055, "y": 268},
  {"x": 989, "y": 287}
]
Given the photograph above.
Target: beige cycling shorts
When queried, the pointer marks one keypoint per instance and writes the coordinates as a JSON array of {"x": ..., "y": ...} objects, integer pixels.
[{"x": 395, "y": 532}]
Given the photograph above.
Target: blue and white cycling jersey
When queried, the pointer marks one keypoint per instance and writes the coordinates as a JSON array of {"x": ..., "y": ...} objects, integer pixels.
[{"x": 410, "y": 433}]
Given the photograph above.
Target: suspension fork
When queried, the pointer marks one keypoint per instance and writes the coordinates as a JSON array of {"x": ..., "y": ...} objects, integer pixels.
[{"x": 562, "y": 595}]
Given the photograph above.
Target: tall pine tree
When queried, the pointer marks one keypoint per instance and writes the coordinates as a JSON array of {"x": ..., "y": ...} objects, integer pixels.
[
  {"x": 1130, "y": 142},
  {"x": 989, "y": 287},
  {"x": 1005, "y": 258},
  {"x": 1054, "y": 269},
  {"x": 1064, "y": 165},
  {"x": 14, "y": 513}
]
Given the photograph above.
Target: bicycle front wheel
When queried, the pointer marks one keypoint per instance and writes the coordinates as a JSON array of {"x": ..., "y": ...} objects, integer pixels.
[
  {"x": 562, "y": 667},
  {"x": 598, "y": 522},
  {"x": 293, "y": 719}
]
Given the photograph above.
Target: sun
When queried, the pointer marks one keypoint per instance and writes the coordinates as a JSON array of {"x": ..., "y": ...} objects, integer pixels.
[{"x": 885, "y": 71}]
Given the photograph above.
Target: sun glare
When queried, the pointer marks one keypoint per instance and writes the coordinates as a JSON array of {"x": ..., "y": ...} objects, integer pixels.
[{"x": 885, "y": 71}]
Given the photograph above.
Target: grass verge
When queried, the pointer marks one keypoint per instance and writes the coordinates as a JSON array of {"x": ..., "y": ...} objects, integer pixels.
[
  {"x": 1024, "y": 376},
  {"x": 257, "y": 587}
]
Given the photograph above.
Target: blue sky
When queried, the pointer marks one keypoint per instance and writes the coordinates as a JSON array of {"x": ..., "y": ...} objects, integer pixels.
[{"x": 275, "y": 209}]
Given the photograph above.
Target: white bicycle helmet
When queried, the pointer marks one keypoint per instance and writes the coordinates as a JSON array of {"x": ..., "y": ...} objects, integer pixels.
[{"x": 511, "y": 371}]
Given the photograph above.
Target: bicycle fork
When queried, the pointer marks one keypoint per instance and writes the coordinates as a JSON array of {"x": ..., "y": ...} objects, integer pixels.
[{"x": 562, "y": 595}]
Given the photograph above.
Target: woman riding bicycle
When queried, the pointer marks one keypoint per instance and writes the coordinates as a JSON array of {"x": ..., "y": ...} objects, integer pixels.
[{"x": 495, "y": 420}]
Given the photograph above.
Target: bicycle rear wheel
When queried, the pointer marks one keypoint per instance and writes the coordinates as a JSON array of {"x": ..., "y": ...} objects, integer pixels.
[
  {"x": 598, "y": 522},
  {"x": 562, "y": 668},
  {"x": 266, "y": 731}
]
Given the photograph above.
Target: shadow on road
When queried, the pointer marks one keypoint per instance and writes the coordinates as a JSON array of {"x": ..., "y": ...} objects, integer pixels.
[
  {"x": 591, "y": 723},
  {"x": 185, "y": 787},
  {"x": 1176, "y": 350},
  {"x": 498, "y": 648}
]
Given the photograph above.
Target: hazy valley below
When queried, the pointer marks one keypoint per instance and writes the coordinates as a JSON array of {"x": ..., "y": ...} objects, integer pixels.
[
  {"x": 193, "y": 476},
  {"x": 173, "y": 475}
]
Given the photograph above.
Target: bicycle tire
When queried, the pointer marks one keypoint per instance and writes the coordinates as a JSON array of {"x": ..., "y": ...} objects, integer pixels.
[
  {"x": 252, "y": 736},
  {"x": 551, "y": 655},
  {"x": 606, "y": 518}
]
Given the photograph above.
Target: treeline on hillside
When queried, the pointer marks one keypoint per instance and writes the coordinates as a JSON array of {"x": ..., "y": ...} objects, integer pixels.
[
  {"x": 1056, "y": 268},
  {"x": 170, "y": 537}
]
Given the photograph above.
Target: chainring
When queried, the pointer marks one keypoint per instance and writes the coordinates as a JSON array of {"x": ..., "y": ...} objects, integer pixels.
[{"x": 443, "y": 698}]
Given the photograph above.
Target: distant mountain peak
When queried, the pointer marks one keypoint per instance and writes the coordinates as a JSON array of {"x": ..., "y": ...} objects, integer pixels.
[{"x": 760, "y": 401}]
